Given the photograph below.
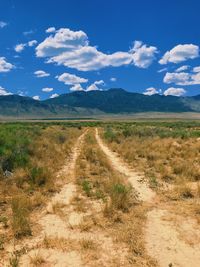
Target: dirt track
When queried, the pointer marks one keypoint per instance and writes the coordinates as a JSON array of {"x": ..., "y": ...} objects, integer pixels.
[{"x": 166, "y": 241}]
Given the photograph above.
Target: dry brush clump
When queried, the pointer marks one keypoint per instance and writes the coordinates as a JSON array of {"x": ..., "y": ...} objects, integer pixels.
[{"x": 20, "y": 216}]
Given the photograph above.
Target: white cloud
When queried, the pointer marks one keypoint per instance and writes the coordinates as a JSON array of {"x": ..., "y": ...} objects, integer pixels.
[
  {"x": 21, "y": 93},
  {"x": 180, "y": 53},
  {"x": 92, "y": 87},
  {"x": 72, "y": 49},
  {"x": 196, "y": 69},
  {"x": 3, "y": 24},
  {"x": 76, "y": 87},
  {"x": 88, "y": 58},
  {"x": 152, "y": 91},
  {"x": 41, "y": 74},
  {"x": 47, "y": 89},
  {"x": 63, "y": 40},
  {"x": 19, "y": 48},
  {"x": 113, "y": 79},
  {"x": 70, "y": 79},
  {"x": 182, "y": 68},
  {"x": 4, "y": 65},
  {"x": 182, "y": 78},
  {"x": 162, "y": 70},
  {"x": 54, "y": 95},
  {"x": 50, "y": 29},
  {"x": 100, "y": 82},
  {"x": 36, "y": 97},
  {"x": 143, "y": 56},
  {"x": 32, "y": 43},
  {"x": 3, "y": 91},
  {"x": 174, "y": 91},
  {"x": 95, "y": 86},
  {"x": 177, "y": 78}
]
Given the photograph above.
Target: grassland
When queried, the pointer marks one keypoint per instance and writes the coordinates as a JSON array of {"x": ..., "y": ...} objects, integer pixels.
[
  {"x": 61, "y": 193},
  {"x": 30, "y": 156},
  {"x": 168, "y": 155}
]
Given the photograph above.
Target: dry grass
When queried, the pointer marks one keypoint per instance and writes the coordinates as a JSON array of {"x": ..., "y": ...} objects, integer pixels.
[
  {"x": 165, "y": 156},
  {"x": 122, "y": 217},
  {"x": 62, "y": 244},
  {"x": 20, "y": 218},
  {"x": 37, "y": 260},
  {"x": 88, "y": 244},
  {"x": 30, "y": 185}
]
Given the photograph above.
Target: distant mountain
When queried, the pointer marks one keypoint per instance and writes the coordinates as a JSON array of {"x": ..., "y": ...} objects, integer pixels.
[
  {"x": 20, "y": 106},
  {"x": 113, "y": 101},
  {"x": 121, "y": 101}
]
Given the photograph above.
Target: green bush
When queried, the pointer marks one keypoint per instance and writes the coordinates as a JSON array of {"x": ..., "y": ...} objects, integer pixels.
[
  {"x": 86, "y": 186},
  {"x": 39, "y": 176},
  {"x": 121, "y": 196}
]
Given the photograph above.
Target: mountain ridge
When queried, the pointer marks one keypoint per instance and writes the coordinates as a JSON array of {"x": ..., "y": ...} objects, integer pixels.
[{"x": 81, "y": 103}]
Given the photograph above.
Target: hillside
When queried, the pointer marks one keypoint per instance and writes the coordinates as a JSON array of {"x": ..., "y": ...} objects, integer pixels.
[
  {"x": 121, "y": 101},
  {"x": 113, "y": 101}
]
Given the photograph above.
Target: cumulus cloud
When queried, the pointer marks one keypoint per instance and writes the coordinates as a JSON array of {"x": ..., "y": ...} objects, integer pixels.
[
  {"x": 3, "y": 24},
  {"x": 50, "y": 29},
  {"x": 36, "y": 97},
  {"x": 152, "y": 91},
  {"x": 180, "y": 53},
  {"x": 47, "y": 89},
  {"x": 4, "y": 65},
  {"x": 41, "y": 74},
  {"x": 3, "y": 91},
  {"x": 196, "y": 69},
  {"x": 20, "y": 47},
  {"x": 174, "y": 91},
  {"x": 95, "y": 86},
  {"x": 113, "y": 79},
  {"x": 32, "y": 43},
  {"x": 182, "y": 78},
  {"x": 182, "y": 68},
  {"x": 54, "y": 95},
  {"x": 76, "y": 87},
  {"x": 143, "y": 56},
  {"x": 72, "y": 49},
  {"x": 71, "y": 79},
  {"x": 92, "y": 87}
]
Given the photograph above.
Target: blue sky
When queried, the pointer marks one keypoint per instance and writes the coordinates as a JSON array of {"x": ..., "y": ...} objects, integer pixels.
[{"x": 48, "y": 48}]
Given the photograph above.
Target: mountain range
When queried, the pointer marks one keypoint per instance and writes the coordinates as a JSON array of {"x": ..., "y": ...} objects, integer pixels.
[{"x": 81, "y": 103}]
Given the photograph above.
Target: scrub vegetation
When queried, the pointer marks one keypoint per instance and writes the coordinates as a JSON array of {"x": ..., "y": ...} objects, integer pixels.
[{"x": 77, "y": 193}]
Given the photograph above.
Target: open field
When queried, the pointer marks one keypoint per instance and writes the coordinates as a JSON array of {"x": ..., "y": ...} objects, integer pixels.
[
  {"x": 100, "y": 193},
  {"x": 108, "y": 117}
]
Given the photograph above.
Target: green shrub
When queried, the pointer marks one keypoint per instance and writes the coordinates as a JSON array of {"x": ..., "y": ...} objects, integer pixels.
[
  {"x": 86, "y": 186},
  {"x": 121, "y": 196},
  {"x": 39, "y": 176}
]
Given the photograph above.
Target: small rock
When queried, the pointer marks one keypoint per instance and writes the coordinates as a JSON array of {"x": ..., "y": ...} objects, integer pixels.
[{"x": 8, "y": 173}]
